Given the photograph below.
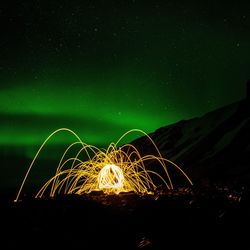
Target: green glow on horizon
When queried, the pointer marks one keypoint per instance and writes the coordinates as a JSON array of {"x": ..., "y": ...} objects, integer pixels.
[
  {"x": 103, "y": 69},
  {"x": 100, "y": 111}
]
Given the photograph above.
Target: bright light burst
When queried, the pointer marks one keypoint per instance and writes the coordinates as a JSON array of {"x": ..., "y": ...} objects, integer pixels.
[
  {"x": 111, "y": 178},
  {"x": 112, "y": 170}
]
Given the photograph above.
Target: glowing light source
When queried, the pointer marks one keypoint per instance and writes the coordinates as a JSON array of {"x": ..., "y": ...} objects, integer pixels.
[
  {"x": 114, "y": 170},
  {"x": 111, "y": 178}
]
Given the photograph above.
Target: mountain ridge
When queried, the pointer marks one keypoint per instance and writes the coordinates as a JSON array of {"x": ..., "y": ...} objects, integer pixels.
[{"x": 214, "y": 147}]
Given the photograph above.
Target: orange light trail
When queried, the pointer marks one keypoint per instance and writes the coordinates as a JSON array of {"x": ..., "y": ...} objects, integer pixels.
[{"x": 114, "y": 170}]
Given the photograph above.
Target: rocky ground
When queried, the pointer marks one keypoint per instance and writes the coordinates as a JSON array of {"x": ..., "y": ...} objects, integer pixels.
[{"x": 215, "y": 216}]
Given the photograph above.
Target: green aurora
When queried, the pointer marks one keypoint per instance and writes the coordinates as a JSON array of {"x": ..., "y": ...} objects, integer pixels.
[{"x": 101, "y": 69}]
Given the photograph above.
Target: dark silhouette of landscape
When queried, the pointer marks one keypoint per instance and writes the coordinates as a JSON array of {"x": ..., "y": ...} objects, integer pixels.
[{"x": 213, "y": 148}]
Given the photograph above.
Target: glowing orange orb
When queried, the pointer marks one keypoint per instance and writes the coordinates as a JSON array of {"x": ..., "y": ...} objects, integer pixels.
[{"x": 111, "y": 178}]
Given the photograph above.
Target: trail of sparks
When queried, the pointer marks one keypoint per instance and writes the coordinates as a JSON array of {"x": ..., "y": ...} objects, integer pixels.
[{"x": 114, "y": 170}]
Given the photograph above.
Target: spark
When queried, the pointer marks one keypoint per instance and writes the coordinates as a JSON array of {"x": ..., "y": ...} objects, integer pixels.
[{"x": 113, "y": 170}]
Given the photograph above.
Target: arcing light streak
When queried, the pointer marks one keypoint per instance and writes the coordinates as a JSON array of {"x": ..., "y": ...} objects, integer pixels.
[{"x": 115, "y": 170}]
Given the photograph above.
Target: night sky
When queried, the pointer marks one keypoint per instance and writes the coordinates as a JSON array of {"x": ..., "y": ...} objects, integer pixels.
[{"x": 101, "y": 68}]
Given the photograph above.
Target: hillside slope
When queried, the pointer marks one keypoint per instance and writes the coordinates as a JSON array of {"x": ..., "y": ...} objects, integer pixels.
[{"x": 214, "y": 147}]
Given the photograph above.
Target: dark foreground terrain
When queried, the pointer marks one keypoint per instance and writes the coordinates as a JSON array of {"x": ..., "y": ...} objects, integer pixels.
[{"x": 200, "y": 218}]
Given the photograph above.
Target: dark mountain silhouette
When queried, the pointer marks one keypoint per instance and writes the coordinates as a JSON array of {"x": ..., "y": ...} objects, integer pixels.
[{"x": 212, "y": 148}]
